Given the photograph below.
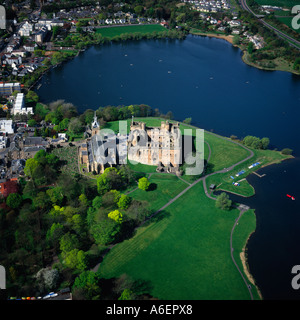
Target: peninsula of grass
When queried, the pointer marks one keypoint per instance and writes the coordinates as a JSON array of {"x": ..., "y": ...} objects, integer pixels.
[
  {"x": 224, "y": 181},
  {"x": 185, "y": 252},
  {"x": 111, "y": 32}
]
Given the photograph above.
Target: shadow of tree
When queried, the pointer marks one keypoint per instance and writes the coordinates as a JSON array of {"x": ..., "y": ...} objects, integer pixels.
[{"x": 152, "y": 187}]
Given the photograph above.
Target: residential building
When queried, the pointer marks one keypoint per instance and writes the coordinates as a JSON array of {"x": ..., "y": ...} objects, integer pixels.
[
  {"x": 26, "y": 29},
  {"x": 6, "y": 126},
  {"x": 41, "y": 35},
  {"x": 3, "y": 142},
  {"x": 19, "y": 105},
  {"x": 7, "y": 89}
]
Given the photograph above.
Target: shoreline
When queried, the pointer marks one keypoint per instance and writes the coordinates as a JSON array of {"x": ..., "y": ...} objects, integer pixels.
[
  {"x": 244, "y": 261},
  {"x": 229, "y": 38}
]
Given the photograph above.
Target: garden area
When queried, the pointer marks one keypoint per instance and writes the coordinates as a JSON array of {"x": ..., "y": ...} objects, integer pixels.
[{"x": 69, "y": 159}]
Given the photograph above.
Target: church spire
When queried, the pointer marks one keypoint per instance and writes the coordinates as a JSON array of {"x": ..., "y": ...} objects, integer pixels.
[{"x": 95, "y": 125}]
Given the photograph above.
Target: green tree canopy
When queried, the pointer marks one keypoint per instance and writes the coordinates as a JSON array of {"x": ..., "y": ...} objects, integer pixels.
[
  {"x": 143, "y": 184},
  {"x": 14, "y": 200},
  {"x": 124, "y": 201},
  {"x": 223, "y": 201},
  {"x": 76, "y": 259},
  {"x": 75, "y": 126},
  {"x": 30, "y": 166},
  {"x": 116, "y": 215},
  {"x": 87, "y": 283},
  {"x": 109, "y": 179},
  {"x": 56, "y": 195},
  {"x": 68, "y": 242}
]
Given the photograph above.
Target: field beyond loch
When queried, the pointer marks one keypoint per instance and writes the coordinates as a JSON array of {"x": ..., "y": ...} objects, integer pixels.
[{"x": 111, "y": 32}]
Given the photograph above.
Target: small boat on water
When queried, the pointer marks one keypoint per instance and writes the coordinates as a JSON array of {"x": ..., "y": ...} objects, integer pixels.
[
  {"x": 39, "y": 86},
  {"x": 291, "y": 197}
]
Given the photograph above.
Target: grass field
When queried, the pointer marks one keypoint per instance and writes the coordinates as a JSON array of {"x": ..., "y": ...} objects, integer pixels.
[
  {"x": 224, "y": 181},
  {"x": 162, "y": 189},
  {"x": 186, "y": 253},
  {"x": 111, "y": 32},
  {"x": 279, "y": 3},
  {"x": 288, "y": 22}
]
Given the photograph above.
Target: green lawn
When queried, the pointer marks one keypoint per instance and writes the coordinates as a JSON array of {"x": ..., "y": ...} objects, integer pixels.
[
  {"x": 162, "y": 189},
  {"x": 278, "y": 3},
  {"x": 224, "y": 181},
  {"x": 288, "y": 21},
  {"x": 111, "y": 32},
  {"x": 186, "y": 253}
]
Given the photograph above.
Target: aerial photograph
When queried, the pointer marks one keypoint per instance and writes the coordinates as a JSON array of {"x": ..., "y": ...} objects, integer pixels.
[{"x": 149, "y": 151}]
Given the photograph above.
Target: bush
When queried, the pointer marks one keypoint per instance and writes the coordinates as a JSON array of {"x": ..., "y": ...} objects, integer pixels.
[
  {"x": 287, "y": 151},
  {"x": 144, "y": 184},
  {"x": 223, "y": 201}
]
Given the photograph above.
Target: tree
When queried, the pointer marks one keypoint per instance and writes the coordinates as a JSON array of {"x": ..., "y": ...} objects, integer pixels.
[
  {"x": 236, "y": 40},
  {"x": 31, "y": 123},
  {"x": 87, "y": 283},
  {"x": 109, "y": 179},
  {"x": 14, "y": 200},
  {"x": 104, "y": 230},
  {"x": 143, "y": 184},
  {"x": 30, "y": 166},
  {"x": 124, "y": 201},
  {"x": 250, "y": 47},
  {"x": 41, "y": 200},
  {"x": 296, "y": 65},
  {"x": 97, "y": 202},
  {"x": 83, "y": 199},
  {"x": 286, "y": 151},
  {"x": 31, "y": 96},
  {"x": 139, "y": 10},
  {"x": 187, "y": 120},
  {"x": 127, "y": 294},
  {"x": 75, "y": 126},
  {"x": 223, "y": 201},
  {"x": 265, "y": 143},
  {"x": 56, "y": 195},
  {"x": 76, "y": 259},
  {"x": 47, "y": 279},
  {"x": 116, "y": 215},
  {"x": 64, "y": 124},
  {"x": 68, "y": 242}
]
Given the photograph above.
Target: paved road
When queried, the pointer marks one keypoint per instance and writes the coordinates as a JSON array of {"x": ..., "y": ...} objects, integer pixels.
[
  {"x": 280, "y": 34},
  {"x": 242, "y": 209}
]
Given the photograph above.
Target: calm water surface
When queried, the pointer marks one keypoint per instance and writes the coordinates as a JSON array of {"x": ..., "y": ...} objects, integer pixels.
[{"x": 205, "y": 79}]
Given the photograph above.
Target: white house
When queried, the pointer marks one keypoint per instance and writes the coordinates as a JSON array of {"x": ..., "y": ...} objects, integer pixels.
[
  {"x": 19, "y": 105},
  {"x": 6, "y": 126},
  {"x": 26, "y": 29},
  {"x": 3, "y": 142}
]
